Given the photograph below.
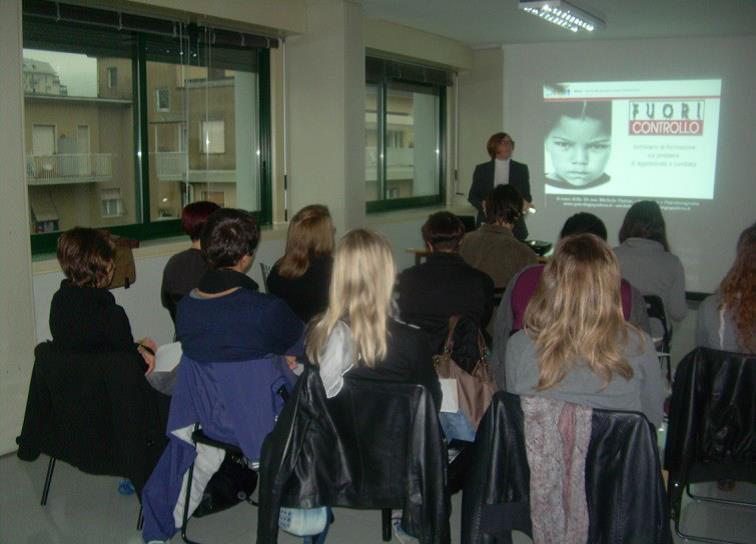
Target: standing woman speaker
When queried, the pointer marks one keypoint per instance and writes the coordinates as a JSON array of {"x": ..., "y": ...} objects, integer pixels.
[{"x": 501, "y": 170}]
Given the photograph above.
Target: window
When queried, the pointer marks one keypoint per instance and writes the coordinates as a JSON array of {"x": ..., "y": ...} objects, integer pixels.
[
  {"x": 404, "y": 125},
  {"x": 163, "y": 99},
  {"x": 100, "y": 154},
  {"x": 212, "y": 137},
  {"x": 111, "y": 203},
  {"x": 112, "y": 77}
]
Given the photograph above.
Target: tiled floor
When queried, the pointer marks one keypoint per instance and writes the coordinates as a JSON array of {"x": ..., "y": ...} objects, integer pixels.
[{"x": 88, "y": 509}]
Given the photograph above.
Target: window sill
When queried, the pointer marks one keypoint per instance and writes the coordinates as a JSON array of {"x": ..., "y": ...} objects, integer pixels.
[{"x": 46, "y": 263}]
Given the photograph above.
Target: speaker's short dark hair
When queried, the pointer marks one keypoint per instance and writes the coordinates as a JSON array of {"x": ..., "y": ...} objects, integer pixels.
[
  {"x": 443, "y": 231},
  {"x": 582, "y": 223},
  {"x": 504, "y": 202},
  {"x": 229, "y": 235}
]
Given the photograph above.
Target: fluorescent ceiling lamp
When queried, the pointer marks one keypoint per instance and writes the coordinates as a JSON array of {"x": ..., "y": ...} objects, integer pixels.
[{"x": 562, "y": 13}]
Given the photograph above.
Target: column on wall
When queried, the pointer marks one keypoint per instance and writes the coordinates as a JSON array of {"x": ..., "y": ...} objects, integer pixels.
[
  {"x": 326, "y": 130},
  {"x": 16, "y": 300}
]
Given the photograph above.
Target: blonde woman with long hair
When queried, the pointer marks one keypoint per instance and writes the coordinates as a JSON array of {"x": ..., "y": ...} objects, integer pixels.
[
  {"x": 357, "y": 333},
  {"x": 576, "y": 345},
  {"x": 302, "y": 276}
]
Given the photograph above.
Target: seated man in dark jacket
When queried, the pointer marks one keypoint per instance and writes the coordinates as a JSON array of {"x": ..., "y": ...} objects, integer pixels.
[{"x": 444, "y": 285}]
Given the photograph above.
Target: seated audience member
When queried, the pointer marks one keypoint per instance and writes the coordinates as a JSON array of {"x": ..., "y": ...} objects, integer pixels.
[
  {"x": 84, "y": 315},
  {"x": 225, "y": 318},
  {"x": 509, "y": 317},
  {"x": 357, "y": 334},
  {"x": 646, "y": 262},
  {"x": 525, "y": 283},
  {"x": 727, "y": 319},
  {"x": 492, "y": 248},
  {"x": 231, "y": 336},
  {"x": 302, "y": 276},
  {"x": 444, "y": 285},
  {"x": 576, "y": 346},
  {"x": 184, "y": 270}
]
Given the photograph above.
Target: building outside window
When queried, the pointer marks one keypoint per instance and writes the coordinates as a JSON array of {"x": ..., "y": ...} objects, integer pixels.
[
  {"x": 405, "y": 109},
  {"x": 163, "y": 99},
  {"x": 112, "y": 77},
  {"x": 100, "y": 154},
  {"x": 111, "y": 203},
  {"x": 212, "y": 137}
]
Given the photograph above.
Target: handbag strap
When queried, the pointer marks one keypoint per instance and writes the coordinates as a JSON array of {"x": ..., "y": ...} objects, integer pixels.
[{"x": 449, "y": 342}]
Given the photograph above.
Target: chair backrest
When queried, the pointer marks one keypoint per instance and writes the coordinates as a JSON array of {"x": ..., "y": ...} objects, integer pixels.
[
  {"x": 711, "y": 419},
  {"x": 95, "y": 411},
  {"x": 264, "y": 272},
  {"x": 374, "y": 445},
  {"x": 623, "y": 482},
  {"x": 655, "y": 310}
]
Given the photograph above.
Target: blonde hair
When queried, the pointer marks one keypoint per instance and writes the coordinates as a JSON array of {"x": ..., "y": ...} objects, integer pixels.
[
  {"x": 576, "y": 313},
  {"x": 361, "y": 288},
  {"x": 310, "y": 235}
]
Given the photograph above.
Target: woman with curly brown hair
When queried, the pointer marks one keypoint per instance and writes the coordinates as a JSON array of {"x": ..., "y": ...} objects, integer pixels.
[
  {"x": 727, "y": 319},
  {"x": 84, "y": 316}
]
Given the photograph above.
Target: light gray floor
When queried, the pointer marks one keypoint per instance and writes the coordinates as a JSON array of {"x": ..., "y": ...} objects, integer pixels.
[{"x": 88, "y": 509}]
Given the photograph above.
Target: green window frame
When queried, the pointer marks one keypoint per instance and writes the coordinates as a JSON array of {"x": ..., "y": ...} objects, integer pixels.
[
  {"x": 75, "y": 29},
  {"x": 386, "y": 77}
]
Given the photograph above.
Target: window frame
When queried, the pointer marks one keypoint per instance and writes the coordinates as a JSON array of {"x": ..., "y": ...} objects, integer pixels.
[
  {"x": 144, "y": 228},
  {"x": 386, "y": 203}
]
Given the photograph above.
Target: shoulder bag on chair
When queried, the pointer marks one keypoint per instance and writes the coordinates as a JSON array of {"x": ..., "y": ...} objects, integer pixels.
[{"x": 474, "y": 388}]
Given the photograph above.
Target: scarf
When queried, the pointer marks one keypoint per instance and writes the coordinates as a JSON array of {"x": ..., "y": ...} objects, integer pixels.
[{"x": 223, "y": 279}]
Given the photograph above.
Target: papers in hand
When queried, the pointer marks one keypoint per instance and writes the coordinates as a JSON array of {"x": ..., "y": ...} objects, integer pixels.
[
  {"x": 167, "y": 357},
  {"x": 449, "y": 399}
]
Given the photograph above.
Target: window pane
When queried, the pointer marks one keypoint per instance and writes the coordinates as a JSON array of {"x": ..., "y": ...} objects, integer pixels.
[
  {"x": 411, "y": 144},
  {"x": 203, "y": 137},
  {"x": 78, "y": 139},
  {"x": 371, "y": 143}
]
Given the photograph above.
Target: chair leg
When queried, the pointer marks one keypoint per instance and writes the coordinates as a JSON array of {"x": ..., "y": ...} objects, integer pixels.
[
  {"x": 386, "y": 524},
  {"x": 140, "y": 518},
  {"x": 48, "y": 479},
  {"x": 185, "y": 520}
]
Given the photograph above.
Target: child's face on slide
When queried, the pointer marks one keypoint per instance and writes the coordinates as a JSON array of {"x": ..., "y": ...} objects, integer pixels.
[{"x": 579, "y": 149}]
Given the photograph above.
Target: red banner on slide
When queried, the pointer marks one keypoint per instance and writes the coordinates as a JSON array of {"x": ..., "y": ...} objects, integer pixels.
[{"x": 666, "y": 127}]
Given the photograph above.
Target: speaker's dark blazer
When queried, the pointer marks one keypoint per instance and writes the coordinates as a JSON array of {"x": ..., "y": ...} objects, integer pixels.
[{"x": 483, "y": 183}]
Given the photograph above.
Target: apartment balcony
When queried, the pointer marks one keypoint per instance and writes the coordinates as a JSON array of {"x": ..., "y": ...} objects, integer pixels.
[
  {"x": 400, "y": 163},
  {"x": 172, "y": 166},
  {"x": 69, "y": 168}
]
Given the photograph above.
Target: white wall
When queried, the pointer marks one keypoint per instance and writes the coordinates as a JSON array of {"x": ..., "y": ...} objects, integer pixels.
[
  {"x": 16, "y": 305},
  {"x": 480, "y": 114}
]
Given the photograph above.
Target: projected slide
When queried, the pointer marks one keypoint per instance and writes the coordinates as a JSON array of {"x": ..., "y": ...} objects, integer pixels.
[{"x": 652, "y": 139}]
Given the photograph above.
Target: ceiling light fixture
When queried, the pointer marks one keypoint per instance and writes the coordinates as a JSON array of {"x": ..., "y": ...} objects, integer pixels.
[{"x": 563, "y": 14}]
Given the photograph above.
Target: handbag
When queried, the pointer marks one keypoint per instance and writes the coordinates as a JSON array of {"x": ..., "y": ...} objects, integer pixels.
[
  {"x": 475, "y": 387},
  {"x": 124, "y": 274}
]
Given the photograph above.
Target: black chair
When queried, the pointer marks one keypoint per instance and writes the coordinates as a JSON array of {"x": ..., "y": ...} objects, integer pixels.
[
  {"x": 375, "y": 445},
  {"x": 94, "y": 411},
  {"x": 624, "y": 487},
  {"x": 711, "y": 427},
  {"x": 655, "y": 310},
  {"x": 199, "y": 437}
]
